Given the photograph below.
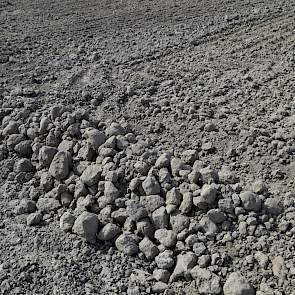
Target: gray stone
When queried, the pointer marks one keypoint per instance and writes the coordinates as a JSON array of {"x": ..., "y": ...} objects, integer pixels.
[
  {"x": 226, "y": 205},
  {"x": 189, "y": 156},
  {"x": 34, "y": 219},
  {"x": 179, "y": 222},
  {"x": 208, "y": 225},
  {"x": 226, "y": 176},
  {"x": 47, "y": 204},
  {"x": 135, "y": 210},
  {"x": 24, "y": 148},
  {"x": 160, "y": 218},
  {"x": 187, "y": 203},
  {"x": 159, "y": 287},
  {"x": 67, "y": 221},
  {"x": 262, "y": 259},
  {"x": 109, "y": 232},
  {"x": 161, "y": 275},
  {"x": 46, "y": 155},
  {"x": 184, "y": 263},
  {"x": 259, "y": 187},
  {"x": 142, "y": 167},
  {"x": 95, "y": 137},
  {"x": 209, "y": 175},
  {"x": 115, "y": 129},
  {"x": 11, "y": 128},
  {"x": 178, "y": 165},
  {"x": 273, "y": 206},
  {"x": 46, "y": 182},
  {"x": 86, "y": 226},
  {"x": 148, "y": 248},
  {"x": 60, "y": 165},
  {"x": 236, "y": 284},
  {"x": 279, "y": 268},
  {"x": 66, "y": 199},
  {"x": 23, "y": 165},
  {"x": 127, "y": 244},
  {"x": 208, "y": 193},
  {"x": 207, "y": 282},
  {"x": 152, "y": 202},
  {"x": 173, "y": 197},
  {"x": 151, "y": 186},
  {"x": 250, "y": 201},
  {"x": 163, "y": 161},
  {"x": 199, "y": 248},
  {"x": 165, "y": 259},
  {"x": 216, "y": 216},
  {"x": 25, "y": 206},
  {"x": 91, "y": 174},
  {"x": 166, "y": 237},
  {"x": 145, "y": 228},
  {"x": 110, "y": 192}
]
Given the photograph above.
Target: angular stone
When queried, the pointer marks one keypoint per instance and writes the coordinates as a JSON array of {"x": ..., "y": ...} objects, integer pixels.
[
  {"x": 86, "y": 226},
  {"x": 91, "y": 175},
  {"x": 165, "y": 259},
  {"x": 250, "y": 201},
  {"x": 67, "y": 221},
  {"x": 46, "y": 155},
  {"x": 60, "y": 165},
  {"x": 236, "y": 284},
  {"x": 166, "y": 237},
  {"x": 152, "y": 202},
  {"x": 185, "y": 262},
  {"x": 127, "y": 244},
  {"x": 95, "y": 137},
  {"x": 148, "y": 248},
  {"x": 207, "y": 282},
  {"x": 160, "y": 218},
  {"x": 109, "y": 232},
  {"x": 151, "y": 186}
]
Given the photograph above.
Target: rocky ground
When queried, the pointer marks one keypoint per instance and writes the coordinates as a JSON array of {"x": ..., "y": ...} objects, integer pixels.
[{"x": 147, "y": 147}]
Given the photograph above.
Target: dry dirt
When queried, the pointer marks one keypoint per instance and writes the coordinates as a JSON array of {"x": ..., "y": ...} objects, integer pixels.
[{"x": 215, "y": 76}]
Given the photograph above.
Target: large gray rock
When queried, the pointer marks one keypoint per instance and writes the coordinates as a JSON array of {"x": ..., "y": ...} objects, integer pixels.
[
  {"x": 166, "y": 237},
  {"x": 148, "y": 248},
  {"x": 207, "y": 282},
  {"x": 111, "y": 192},
  {"x": 152, "y": 202},
  {"x": 91, "y": 175},
  {"x": 208, "y": 193},
  {"x": 48, "y": 204},
  {"x": 236, "y": 284},
  {"x": 173, "y": 197},
  {"x": 23, "y": 165},
  {"x": 179, "y": 222},
  {"x": 127, "y": 244},
  {"x": 160, "y": 218},
  {"x": 250, "y": 201},
  {"x": 60, "y": 165},
  {"x": 185, "y": 262},
  {"x": 67, "y": 221},
  {"x": 165, "y": 259},
  {"x": 273, "y": 206},
  {"x": 46, "y": 155},
  {"x": 95, "y": 137},
  {"x": 25, "y": 206},
  {"x": 86, "y": 226},
  {"x": 151, "y": 186},
  {"x": 109, "y": 232}
]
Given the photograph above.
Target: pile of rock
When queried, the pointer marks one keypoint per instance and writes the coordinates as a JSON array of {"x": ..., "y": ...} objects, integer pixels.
[{"x": 108, "y": 186}]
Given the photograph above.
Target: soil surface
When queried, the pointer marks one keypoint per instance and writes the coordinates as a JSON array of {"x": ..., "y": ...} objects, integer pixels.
[{"x": 213, "y": 76}]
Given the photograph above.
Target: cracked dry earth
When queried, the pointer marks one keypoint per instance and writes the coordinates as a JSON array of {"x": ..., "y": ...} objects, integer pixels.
[{"x": 147, "y": 147}]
